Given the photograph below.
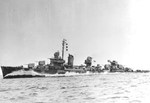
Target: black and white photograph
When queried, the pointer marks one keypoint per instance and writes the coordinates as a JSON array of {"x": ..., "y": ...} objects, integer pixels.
[{"x": 74, "y": 51}]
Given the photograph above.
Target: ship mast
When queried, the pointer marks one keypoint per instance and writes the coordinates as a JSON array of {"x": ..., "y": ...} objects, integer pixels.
[{"x": 64, "y": 43}]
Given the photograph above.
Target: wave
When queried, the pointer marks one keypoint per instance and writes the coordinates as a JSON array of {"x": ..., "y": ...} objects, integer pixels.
[{"x": 23, "y": 72}]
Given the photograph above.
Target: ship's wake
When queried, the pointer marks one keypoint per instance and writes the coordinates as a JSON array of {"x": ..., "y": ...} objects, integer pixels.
[{"x": 67, "y": 74}]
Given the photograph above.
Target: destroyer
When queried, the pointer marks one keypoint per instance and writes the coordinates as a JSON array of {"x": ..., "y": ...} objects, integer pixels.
[{"x": 57, "y": 65}]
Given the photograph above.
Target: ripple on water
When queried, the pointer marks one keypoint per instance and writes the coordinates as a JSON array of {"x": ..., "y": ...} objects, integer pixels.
[
  {"x": 112, "y": 88},
  {"x": 33, "y": 94},
  {"x": 135, "y": 101}
]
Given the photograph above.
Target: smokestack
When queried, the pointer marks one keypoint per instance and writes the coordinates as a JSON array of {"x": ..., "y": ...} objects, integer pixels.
[{"x": 70, "y": 60}]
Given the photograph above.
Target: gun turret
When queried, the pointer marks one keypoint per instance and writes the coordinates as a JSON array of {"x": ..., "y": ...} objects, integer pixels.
[
  {"x": 113, "y": 63},
  {"x": 41, "y": 63},
  {"x": 30, "y": 66}
]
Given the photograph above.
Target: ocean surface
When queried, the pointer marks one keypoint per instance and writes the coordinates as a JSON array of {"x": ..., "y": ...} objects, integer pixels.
[{"x": 76, "y": 88}]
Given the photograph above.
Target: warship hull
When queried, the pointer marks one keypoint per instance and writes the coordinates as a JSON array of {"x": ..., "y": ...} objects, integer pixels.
[
  {"x": 18, "y": 72},
  {"x": 22, "y": 76},
  {"x": 51, "y": 71},
  {"x": 8, "y": 69}
]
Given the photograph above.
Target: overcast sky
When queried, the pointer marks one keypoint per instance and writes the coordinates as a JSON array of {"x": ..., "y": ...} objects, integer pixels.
[{"x": 32, "y": 30}]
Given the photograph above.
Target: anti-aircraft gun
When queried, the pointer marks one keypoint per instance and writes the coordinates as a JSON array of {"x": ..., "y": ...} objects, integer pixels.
[
  {"x": 115, "y": 67},
  {"x": 98, "y": 68},
  {"x": 88, "y": 63}
]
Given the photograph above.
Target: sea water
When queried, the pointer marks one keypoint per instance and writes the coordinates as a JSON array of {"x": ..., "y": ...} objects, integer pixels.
[{"x": 78, "y": 88}]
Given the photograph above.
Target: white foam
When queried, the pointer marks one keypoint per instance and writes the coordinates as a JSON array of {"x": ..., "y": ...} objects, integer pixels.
[
  {"x": 23, "y": 72},
  {"x": 69, "y": 74}
]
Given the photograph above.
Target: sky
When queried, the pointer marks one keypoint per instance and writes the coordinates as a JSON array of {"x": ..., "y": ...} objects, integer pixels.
[{"x": 32, "y": 30}]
